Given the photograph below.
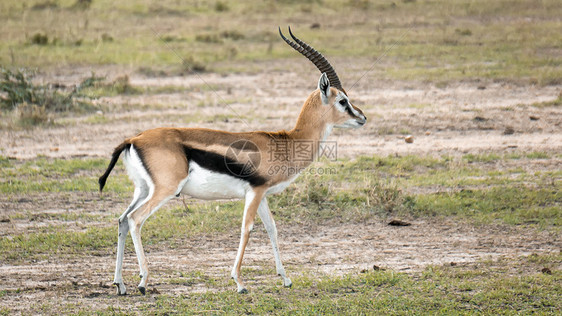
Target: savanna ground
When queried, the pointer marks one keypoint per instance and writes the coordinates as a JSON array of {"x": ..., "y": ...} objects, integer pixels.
[{"x": 477, "y": 84}]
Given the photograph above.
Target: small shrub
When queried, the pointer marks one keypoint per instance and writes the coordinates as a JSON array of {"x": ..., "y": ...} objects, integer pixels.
[
  {"x": 82, "y": 4},
  {"x": 106, "y": 38},
  {"x": 359, "y": 4},
  {"x": 384, "y": 196},
  {"x": 35, "y": 100},
  {"x": 45, "y": 5},
  {"x": 463, "y": 32},
  {"x": 233, "y": 35},
  {"x": 152, "y": 72},
  {"x": 189, "y": 64},
  {"x": 31, "y": 114},
  {"x": 316, "y": 192},
  {"x": 17, "y": 87},
  {"x": 208, "y": 38},
  {"x": 171, "y": 38},
  {"x": 39, "y": 39},
  {"x": 95, "y": 86},
  {"x": 122, "y": 85},
  {"x": 221, "y": 6}
]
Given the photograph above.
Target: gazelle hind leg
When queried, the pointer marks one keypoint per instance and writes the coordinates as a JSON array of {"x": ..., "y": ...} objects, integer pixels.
[
  {"x": 135, "y": 221},
  {"x": 139, "y": 198},
  {"x": 269, "y": 223},
  {"x": 250, "y": 208}
]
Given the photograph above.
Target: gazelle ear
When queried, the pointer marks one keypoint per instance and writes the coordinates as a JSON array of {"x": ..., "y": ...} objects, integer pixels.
[{"x": 324, "y": 87}]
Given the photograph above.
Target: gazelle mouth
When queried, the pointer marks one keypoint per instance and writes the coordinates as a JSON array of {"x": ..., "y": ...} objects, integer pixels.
[{"x": 361, "y": 121}]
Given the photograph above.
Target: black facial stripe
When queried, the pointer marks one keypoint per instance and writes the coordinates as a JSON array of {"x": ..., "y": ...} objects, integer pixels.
[
  {"x": 218, "y": 163},
  {"x": 348, "y": 110}
]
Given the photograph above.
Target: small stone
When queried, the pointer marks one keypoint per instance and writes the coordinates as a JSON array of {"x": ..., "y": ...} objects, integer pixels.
[
  {"x": 99, "y": 112},
  {"x": 546, "y": 271},
  {"x": 397, "y": 222},
  {"x": 453, "y": 264},
  {"x": 409, "y": 139},
  {"x": 427, "y": 133},
  {"x": 508, "y": 130},
  {"x": 534, "y": 118}
]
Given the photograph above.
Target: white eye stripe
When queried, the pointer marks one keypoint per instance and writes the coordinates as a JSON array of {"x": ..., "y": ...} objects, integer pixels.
[{"x": 346, "y": 106}]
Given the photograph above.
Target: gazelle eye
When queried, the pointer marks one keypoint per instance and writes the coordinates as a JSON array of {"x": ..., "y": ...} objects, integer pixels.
[{"x": 342, "y": 101}]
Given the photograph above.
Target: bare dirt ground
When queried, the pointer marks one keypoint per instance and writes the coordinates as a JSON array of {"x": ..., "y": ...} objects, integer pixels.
[
  {"x": 331, "y": 249},
  {"x": 459, "y": 118},
  {"x": 469, "y": 117}
]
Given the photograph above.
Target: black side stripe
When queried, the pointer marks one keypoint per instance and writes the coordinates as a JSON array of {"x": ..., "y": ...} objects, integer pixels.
[{"x": 225, "y": 165}]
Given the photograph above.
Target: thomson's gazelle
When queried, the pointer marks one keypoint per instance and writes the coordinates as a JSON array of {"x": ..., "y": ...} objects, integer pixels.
[{"x": 210, "y": 164}]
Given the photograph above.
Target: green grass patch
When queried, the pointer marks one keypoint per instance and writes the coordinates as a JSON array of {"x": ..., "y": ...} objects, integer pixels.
[
  {"x": 490, "y": 157},
  {"x": 59, "y": 175},
  {"x": 94, "y": 87},
  {"x": 511, "y": 205},
  {"x": 537, "y": 155},
  {"x": 58, "y": 243},
  {"x": 555, "y": 102},
  {"x": 438, "y": 41},
  {"x": 485, "y": 287},
  {"x": 167, "y": 225},
  {"x": 367, "y": 188}
]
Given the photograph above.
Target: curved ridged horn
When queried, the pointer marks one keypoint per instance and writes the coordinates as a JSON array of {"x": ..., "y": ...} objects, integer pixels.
[{"x": 315, "y": 57}]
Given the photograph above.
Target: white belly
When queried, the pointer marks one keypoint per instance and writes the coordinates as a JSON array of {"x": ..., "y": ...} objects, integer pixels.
[
  {"x": 208, "y": 185},
  {"x": 281, "y": 186}
]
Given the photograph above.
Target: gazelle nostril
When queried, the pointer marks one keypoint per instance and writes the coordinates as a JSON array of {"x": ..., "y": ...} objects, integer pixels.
[{"x": 362, "y": 120}]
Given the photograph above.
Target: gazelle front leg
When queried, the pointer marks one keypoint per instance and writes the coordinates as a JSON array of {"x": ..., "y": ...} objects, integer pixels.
[
  {"x": 253, "y": 199},
  {"x": 269, "y": 223}
]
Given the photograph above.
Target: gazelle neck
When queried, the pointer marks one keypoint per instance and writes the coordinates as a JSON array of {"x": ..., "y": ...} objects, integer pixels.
[
  {"x": 314, "y": 131},
  {"x": 312, "y": 123}
]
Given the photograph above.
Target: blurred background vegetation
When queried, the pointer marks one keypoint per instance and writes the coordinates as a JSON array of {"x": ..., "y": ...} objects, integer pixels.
[{"x": 436, "y": 41}]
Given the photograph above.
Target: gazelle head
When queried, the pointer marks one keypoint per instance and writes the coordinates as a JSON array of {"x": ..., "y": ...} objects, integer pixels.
[{"x": 336, "y": 109}]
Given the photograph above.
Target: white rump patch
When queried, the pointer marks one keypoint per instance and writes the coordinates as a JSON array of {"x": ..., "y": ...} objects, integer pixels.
[
  {"x": 138, "y": 173},
  {"x": 204, "y": 184}
]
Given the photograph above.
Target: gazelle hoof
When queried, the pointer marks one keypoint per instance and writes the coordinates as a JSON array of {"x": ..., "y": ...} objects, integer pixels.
[
  {"x": 142, "y": 289},
  {"x": 243, "y": 291},
  {"x": 121, "y": 290}
]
